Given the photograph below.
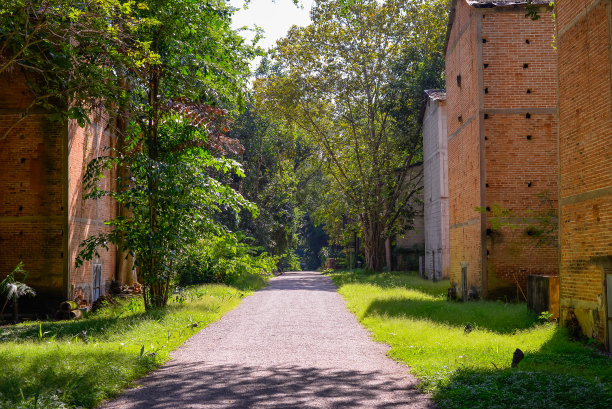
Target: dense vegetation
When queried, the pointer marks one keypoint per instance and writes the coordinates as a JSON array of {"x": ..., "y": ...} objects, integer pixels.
[
  {"x": 352, "y": 82},
  {"x": 471, "y": 368}
]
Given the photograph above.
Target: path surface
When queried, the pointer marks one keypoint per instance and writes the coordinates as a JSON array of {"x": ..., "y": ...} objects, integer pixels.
[{"x": 290, "y": 345}]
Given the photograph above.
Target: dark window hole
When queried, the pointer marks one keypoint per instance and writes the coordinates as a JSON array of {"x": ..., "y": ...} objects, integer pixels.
[
  {"x": 458, "y": 80},
  {"x": 23, "y": 160},
  {"x": 529, "y": 91},
  {"x": 486, "y": 65},
  {"x": 529, "y": 184},
  {"x": 525, "y": 66},
  {"x": 486, "y": 90},
  {"x": 528, "y": 116},
  {"x": 528, "y": 137},
  {"x": 527, "y": 41},
  {"x": 484, "y": 40}
]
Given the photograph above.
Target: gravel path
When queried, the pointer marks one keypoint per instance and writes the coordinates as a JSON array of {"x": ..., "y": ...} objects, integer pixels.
[{"x": 290, "y": 345}]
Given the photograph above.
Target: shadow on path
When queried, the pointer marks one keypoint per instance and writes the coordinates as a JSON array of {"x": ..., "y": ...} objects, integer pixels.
[{"x": 235, "y": 386}]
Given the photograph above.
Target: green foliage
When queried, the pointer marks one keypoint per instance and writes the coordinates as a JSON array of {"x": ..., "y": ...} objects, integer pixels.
[
  {"x": 541, "y": 224},
  {"x": 60, "y": 370},
  {"x": 223, "y": 258},
  {"x": 463, "y": 370},
  {"x": 12, "y": 290},
  {"x": 168, "y": 184},
  {"x": 545, "y": 316},
  {"x": 533, "y": 10},
  {"x": 65, "y": 50},
  {"x": 172, "y": 199},
  {"x": 343, "y": 82},
  {"x": 280, "y": 170}
]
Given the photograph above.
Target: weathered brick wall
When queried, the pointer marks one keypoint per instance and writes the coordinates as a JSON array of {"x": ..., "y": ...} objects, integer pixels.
[
  {"x": 585, "y": 149},
  {"x": 87, "y": 217},
  {"x": 464, "y": 181},
  {"x": 502, "y": 142},
  {"x": 43, "y": 218},
  {"x": 32, "y": 197}
]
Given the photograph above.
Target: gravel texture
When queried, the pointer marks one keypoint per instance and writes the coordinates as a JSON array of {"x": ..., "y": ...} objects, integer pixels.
[{"x": 291, "y": 345}]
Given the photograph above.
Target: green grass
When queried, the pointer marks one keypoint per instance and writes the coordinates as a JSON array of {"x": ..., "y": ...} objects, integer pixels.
[
  {"x": 472, "y": 370},
  {"x": 49, "y": 365}
]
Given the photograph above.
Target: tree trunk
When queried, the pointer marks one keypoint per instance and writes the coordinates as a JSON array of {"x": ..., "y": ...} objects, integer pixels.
[
  {"x": 374, "y": 248},
  {"x": 388, "y": 254}
]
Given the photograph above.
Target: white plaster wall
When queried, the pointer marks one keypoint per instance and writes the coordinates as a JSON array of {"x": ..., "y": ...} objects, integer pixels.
[{"x": 435, "y": 173}]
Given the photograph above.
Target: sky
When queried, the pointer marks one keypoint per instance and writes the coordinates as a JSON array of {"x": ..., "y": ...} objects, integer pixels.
[{"x": 274, "y": 17}]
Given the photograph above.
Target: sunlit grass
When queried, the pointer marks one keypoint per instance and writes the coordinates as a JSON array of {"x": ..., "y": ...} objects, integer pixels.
[
  {"x": 79, "y": 363},
  {"x": 427, "y": 332}
]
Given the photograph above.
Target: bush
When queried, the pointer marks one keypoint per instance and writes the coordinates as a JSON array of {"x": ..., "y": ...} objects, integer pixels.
[{"x": 223, "y": 258}]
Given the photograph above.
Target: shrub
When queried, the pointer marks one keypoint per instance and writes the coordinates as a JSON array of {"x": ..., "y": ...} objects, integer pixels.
[{"x": 223, "y": 258}]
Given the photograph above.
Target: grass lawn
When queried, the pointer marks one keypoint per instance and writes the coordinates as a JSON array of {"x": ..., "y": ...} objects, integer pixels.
[
  {"x": 50, "y": 365},
  {"x": 472, "y": 370}
]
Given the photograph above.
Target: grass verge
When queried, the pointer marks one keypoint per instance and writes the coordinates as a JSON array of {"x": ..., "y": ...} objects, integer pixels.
[
  {"x": 68, "y": 364},
  {"x": 472, "y": 370}
]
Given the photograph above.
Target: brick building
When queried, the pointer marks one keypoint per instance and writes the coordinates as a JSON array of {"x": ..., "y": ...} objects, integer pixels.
[
  {"x": 501, "y": 73},
  {"x": 584, "y": 41},
  {"x": 43, "y": 217},
  {"x": 435, "y": 185}
]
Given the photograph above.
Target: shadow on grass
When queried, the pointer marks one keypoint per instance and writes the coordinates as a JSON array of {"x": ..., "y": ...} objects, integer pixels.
[
  {"x": 486, "y": 389},
  {"x": 493, "y": 316},
  {"x": 94, "y": 326},
  {"x": 562, "y": 374},
  {"x": 394, "y": 279},
  {"x": 81, "y": 377}
]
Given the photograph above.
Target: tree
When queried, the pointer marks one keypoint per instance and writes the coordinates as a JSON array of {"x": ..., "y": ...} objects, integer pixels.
[
  {"x": 342, "y": 87},
  {"x": 66, "y": 50},
  {"x": 189, "y": 61}
]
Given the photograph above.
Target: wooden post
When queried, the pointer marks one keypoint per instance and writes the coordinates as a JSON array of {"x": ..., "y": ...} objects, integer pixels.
[{"x": 388, "y": 252}]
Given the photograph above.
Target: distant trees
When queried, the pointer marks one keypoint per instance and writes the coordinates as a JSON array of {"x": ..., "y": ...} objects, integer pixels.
[{"x": 352, "y": 83}]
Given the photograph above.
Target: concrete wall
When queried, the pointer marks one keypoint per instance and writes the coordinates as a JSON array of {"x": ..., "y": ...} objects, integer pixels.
[
  {"x": 585, "y": 149},
  {"x": 416, "y": 236},
  {"x": 435, "y": 190},
  {"x": 501, "y": 102}
]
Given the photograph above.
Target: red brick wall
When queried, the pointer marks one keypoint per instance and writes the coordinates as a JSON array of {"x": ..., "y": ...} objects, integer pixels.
[
  {"x": 43, "y": 218},
  {"x": 32, "y": 200},
  {"x": 463, "y": 147},
  {"x": 87, "y": 217},
  {"x": 585, "y": 151},
  {"x": 490, "y": 158}
]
